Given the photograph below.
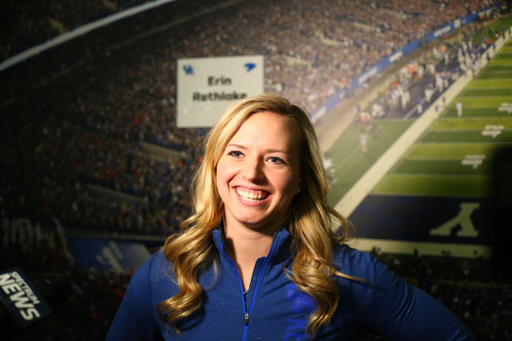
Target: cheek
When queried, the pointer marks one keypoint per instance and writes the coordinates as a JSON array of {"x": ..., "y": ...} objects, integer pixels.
[
  {"x": 224, "y": 173},
  {"x": 288, "y": 185}
]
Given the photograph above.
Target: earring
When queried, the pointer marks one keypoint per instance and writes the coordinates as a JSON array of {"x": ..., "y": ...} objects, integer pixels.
[{"x": 299, "y": 187}]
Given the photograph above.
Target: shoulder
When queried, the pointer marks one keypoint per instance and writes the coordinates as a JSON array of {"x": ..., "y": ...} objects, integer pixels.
[
  {"x": 156, "y": 263},
  {"x": 150, "y": 279},
  {"x": 368, "y": 276},
  {"x": 353, "y": 262},
  {"x": 137, "y": 317}
]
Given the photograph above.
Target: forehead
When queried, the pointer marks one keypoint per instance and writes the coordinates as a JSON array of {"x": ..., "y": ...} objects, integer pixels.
[{"x": 268, "y": 128}]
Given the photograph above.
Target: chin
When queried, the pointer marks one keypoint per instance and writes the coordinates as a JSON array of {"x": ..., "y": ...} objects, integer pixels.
[{"x": 252, "y": 223}]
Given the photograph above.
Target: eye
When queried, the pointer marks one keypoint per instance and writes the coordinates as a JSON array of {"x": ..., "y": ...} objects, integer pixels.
[
  {"x": 276, "y": 160},
  {"x": 235, "y": 154}
]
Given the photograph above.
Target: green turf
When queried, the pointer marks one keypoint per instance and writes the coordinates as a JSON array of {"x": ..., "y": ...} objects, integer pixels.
[
  {"x": 475, "y": 112},
  {"x": 497, "y": 68},
  {"x": 503, "y": 70},
  {"x": 450, "y": 150},
  {"x": 490, "y": 83},
  {"x": 501, "y": 61},
  {"x": 464, "y": 136},
  {"x": 466, "y": 186},
  {"x": 495, "y": 75},
  {"x": 440, "y": 167},
  {"x": 350, "y": 162},
  {"x": 502, "y": 56},
  {"x": 464, "y": 123},
  {"x": 482, "y": 102},
  {"x": 486, "y": 92}
]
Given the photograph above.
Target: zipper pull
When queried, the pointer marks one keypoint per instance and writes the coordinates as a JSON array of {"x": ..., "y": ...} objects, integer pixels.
[{"x": 246, "y": 319}]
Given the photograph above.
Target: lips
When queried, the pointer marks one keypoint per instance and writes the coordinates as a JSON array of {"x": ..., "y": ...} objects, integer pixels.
[{"x": 251, "y": 195}]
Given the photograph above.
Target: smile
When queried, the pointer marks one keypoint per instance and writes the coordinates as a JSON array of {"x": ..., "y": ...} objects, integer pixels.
[{"x": 250, "y": 195}]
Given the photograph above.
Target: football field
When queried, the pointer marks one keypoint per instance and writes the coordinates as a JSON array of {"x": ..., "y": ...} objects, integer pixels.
[
  {"x": 436, "y": 195},
  {"x": 452, "y": 157}
]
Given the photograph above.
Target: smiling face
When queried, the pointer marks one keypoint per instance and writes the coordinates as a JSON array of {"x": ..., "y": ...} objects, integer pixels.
[{"x": 258, "y": 173}]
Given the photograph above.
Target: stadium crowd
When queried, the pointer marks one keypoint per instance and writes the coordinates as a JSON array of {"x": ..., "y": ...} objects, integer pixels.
[
  {"x": 28, "y": 24},
  {"x": 91, "y": 137}
]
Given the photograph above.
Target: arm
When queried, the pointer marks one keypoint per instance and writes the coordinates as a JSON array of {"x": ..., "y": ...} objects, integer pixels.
[
  {"x": 136, "y": 317},
  {"x": 399, "y": 311}
]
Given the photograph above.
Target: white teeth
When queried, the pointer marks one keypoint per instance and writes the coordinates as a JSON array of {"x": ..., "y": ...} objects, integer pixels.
[{"x": 249, "y": 196}]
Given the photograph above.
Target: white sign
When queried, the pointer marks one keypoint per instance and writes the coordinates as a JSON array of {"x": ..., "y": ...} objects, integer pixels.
[
  {"x": 370, "y": 73},
  {"x": 396, "y": 56},
  {"x": 207, "y": 86},
  {"x": 442, "y": 31}
]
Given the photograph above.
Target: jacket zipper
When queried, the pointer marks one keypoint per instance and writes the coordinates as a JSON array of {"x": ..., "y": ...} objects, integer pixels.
[{"x": 247, "y": 313}]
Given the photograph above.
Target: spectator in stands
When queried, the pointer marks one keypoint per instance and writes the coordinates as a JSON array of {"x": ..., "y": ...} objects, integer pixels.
[
  {"x": 260, "y": 207},
  {"x": 392, "y": 262}
]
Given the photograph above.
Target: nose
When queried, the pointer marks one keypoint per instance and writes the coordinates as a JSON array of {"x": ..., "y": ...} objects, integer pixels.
[{"x": 252, "y": 169}]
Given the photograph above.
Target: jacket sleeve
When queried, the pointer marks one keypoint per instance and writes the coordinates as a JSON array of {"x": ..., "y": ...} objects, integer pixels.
[
  {"x": 136, "y": 318},
  {"x": 389, "y": 306}
]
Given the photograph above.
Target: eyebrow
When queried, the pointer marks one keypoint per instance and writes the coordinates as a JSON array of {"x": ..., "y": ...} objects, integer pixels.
[
  {"x": 271, "y": 150},
  {"x": 236, "y": 145}
]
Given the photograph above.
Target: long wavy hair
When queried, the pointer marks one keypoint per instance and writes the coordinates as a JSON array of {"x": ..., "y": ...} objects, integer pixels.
[{"x": 310, "y": 219}]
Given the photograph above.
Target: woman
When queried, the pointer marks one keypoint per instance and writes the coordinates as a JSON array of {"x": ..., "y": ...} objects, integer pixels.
[{"x": 258, "y": 259}]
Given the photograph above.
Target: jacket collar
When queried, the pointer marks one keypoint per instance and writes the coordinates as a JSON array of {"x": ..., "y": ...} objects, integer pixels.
[{"x": 279, "y": 250}]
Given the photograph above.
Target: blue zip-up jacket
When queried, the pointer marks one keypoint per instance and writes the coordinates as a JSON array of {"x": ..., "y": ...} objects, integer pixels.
[{"x": 274, "y": 309}]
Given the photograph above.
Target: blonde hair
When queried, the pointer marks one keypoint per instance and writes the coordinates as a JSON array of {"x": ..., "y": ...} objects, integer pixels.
[{"x": 193, "y": 251}]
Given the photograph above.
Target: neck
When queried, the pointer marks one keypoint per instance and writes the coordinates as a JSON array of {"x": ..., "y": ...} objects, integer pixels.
[{"x": 244, "y": 247}]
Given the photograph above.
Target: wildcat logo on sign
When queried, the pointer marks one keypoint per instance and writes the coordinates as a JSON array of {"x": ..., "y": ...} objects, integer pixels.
[{"x": 207, "y": 86}]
